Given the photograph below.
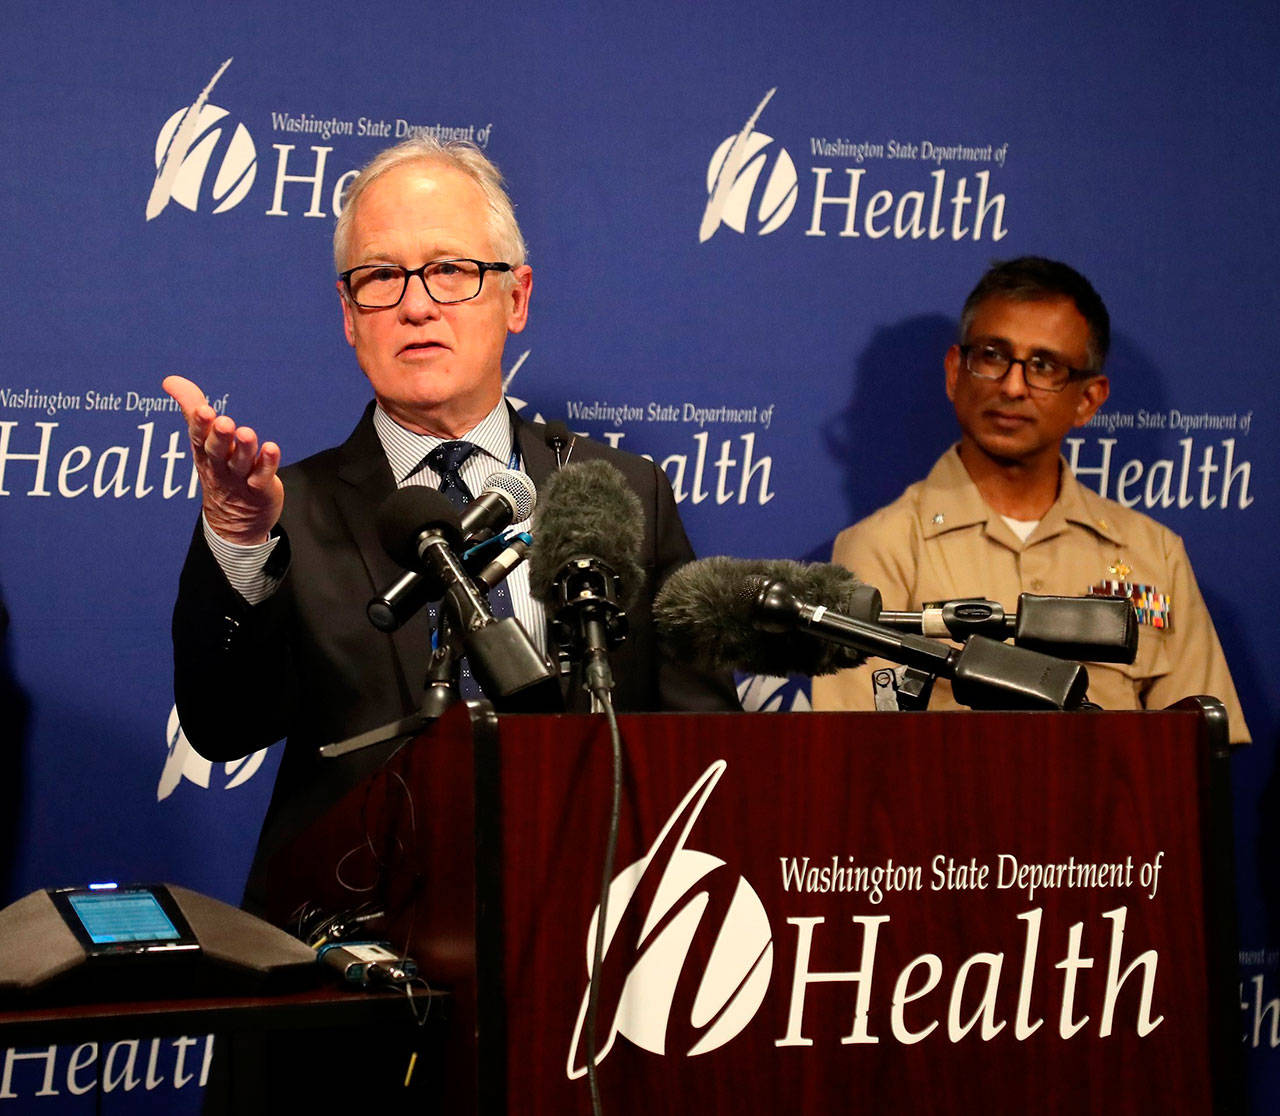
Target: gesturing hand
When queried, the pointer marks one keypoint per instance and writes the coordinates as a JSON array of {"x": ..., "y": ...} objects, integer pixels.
[{"x": 241, "y": 493}]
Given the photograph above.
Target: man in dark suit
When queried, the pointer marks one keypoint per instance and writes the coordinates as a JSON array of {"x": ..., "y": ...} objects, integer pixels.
[{"x": 270, "y": 634}]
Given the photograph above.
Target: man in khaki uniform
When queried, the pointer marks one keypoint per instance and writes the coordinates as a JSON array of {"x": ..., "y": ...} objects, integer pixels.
[{"x": 1001, "y": 514}]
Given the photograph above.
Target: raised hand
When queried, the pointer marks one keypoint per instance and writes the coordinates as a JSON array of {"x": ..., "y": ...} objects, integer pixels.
[{"x": 242, "y": 495}]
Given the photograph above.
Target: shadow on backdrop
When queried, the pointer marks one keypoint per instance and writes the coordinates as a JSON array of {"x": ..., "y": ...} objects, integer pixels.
[
  {"x": 1268, "y": 845},
  {"x": 898, "y": 420},
  {"x": 1252, "y": 688}
]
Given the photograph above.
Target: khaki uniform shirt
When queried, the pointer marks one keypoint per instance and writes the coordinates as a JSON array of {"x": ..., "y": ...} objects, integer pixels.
[{"x": 939, "y": 541}]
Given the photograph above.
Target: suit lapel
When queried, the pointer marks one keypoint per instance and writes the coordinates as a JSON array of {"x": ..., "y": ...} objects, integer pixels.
[
  {"x": 535, "y": 455},
  {"x": 365, "y": 481}
]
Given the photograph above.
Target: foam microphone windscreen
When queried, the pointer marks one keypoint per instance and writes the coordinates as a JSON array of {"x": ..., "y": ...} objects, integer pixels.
[
  {"x": 409, "y": 511},
  {"x": 706, "y": 613},
  {"x": 587, "y": 510}
]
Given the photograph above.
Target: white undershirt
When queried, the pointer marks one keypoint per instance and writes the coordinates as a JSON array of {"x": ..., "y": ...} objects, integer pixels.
[{"x": 1021, "y": 527}]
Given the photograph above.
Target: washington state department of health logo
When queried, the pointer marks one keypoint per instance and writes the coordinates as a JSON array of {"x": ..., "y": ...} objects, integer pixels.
[
  {"x": 764, "y": 693},
  {"x": 184, "y": 762},
  {"x": 676, "y": 902},
  {"x": 735, "y": 194},
  {"x": 204, "y": 159}
]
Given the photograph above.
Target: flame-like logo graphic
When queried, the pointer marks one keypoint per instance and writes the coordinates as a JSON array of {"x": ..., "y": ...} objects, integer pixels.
[
  {"x": 688, "y": 948},
  {"x": 734, "y": 174},
  {"x": 191, "y": 140},
  {"x": 184, "y": 762}
]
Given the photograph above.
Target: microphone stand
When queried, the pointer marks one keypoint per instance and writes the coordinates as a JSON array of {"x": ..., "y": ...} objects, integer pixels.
[
  {"x": 902, "y": 689},
  {"x": 1087, "y": 629},
  {"x": 440, "y": 691},
  {"x": 587, "y": 620}
]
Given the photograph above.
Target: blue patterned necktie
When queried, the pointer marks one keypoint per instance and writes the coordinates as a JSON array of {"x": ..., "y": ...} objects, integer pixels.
[{"x": 446, "y": 460}]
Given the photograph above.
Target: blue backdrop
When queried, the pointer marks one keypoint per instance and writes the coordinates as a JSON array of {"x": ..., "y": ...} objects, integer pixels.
[{"x": 751, "y": 226}]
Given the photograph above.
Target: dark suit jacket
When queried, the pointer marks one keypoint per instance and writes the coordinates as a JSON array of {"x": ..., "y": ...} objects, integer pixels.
[{"x": 306, "y": 664}]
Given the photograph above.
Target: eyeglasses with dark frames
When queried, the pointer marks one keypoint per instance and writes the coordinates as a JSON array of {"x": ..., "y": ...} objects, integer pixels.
[
  {"x": 382, "y": 286},
  {"x": 988, "y": 361}
]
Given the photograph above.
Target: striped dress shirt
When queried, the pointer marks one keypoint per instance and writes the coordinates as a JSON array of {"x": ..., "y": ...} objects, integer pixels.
[{"x": 245, "y": 566}]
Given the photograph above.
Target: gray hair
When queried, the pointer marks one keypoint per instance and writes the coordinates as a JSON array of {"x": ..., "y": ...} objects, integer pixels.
[{"x": 465, "y": 157}]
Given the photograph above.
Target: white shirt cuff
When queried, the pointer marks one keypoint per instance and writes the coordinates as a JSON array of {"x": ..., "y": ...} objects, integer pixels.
[{"x": 243, "y": 566}]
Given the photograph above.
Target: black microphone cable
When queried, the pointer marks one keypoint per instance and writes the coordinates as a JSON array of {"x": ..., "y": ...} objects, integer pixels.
[
  {"x": 610, "y": 852},
  {"x": 585, "y": 567}
]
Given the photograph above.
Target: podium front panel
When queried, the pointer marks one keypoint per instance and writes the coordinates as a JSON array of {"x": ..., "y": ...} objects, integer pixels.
[{"x": 857, "y": 913}]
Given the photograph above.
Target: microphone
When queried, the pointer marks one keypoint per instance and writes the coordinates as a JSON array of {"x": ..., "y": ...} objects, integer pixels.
[
  {"x": 1098, "y": 629},
  {"x": 411, "y": 591},
  {"x": 558, "y": 436},
  {"x": 508, "y": 497},
  {"x": 1095, "y": 629},
  {"x": 399, "y": 601},
  {"x": 757, "y": 616},
  {"x": 956, "y": 619},
  {"x": 421, "y": 530},
  {"x": 504, "y": 564},
  {"x": 706, "y": 613},
  {"x": 984, "y": 673},
  {"x": 585, "y": 565}
]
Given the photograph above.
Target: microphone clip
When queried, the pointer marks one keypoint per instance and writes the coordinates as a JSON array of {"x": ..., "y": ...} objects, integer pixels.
[{"x": 585, "y": 612}]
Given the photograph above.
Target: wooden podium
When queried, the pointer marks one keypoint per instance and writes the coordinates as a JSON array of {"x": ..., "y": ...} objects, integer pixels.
[{"x": 931, "y": 912}]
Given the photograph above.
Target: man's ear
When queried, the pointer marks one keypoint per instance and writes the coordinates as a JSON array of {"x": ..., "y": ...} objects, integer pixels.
[
  {"x": 519, "y": 293},
  {"x": 348, "y": 326},
  {"x": 1093, "y": 394},
  {"x": 951, "y": 362}
]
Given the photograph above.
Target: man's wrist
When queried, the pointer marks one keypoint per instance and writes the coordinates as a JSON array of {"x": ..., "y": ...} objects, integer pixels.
[
  {"x": 233, "y": 537},
  {"x": 243, "y": 564}
]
